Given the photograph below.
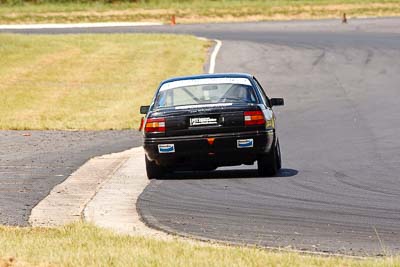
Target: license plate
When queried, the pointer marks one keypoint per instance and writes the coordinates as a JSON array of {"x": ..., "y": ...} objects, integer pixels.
[
  {"x": 244, "y": 143},
  {"x": 203, "y": 121},
  {"x": 166, "y": 148}
]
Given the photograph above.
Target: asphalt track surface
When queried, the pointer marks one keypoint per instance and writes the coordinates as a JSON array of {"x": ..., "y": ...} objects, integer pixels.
[
  {"x": 339, "y": 189},
  {"x": 33, "y": 162}
]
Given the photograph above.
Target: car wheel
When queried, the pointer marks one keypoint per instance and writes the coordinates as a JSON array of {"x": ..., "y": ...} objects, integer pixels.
[
  {"x": 153, "y": 170},
  {"x": 268, "y": 164},
  {"x": 279, "y": 155}
]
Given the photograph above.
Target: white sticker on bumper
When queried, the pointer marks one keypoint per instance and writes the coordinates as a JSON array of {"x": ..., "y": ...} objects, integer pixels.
[
  {"x": 245, "y": 143},
  {"x": 166, "y": 148}
]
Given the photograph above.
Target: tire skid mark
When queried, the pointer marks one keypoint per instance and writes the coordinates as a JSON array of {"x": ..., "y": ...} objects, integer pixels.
[
  {"x": 315, "y": 189},
  {"x": 368, "y": 59},
  {"x": 288, "y": 220},
  {"x": 319, "y": 58},
  {"x": 260, "y": 194},
  {"x": 340, "y": 177}
]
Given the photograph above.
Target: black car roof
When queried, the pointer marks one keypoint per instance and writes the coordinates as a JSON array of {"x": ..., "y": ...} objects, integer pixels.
[{"x": 203, "y": 76}]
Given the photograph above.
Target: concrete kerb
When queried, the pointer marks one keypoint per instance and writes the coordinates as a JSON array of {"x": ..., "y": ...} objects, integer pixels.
[
  {"x": 66, "y": 201},
  {"x": 114, "y": 205},
  {"x": 104, "y": 192}
]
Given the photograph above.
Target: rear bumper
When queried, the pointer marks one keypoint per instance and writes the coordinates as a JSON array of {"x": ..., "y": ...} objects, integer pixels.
[{"x": 196, "y": 151}]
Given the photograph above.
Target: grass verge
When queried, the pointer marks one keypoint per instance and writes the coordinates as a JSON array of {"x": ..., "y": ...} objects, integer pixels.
[
  {"x": 94, "y": 82},
  {"x": 14, "y": 11},
  {"x": 85, "y": 245}
]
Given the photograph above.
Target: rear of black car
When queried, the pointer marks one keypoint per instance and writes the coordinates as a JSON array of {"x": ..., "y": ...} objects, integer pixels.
[
  {"x": 201, "y": 123},
  {"x": 207, "y": 138}
]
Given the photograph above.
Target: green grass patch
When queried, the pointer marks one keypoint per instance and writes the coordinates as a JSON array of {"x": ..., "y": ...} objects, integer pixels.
[
  {"x": 85, "y": 245},
  {"x": 44, "y": 11},
  {"x": 87, "y": 82}
]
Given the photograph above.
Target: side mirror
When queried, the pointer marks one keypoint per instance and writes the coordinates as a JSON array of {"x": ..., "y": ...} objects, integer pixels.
[
  {"x": 144, "y": 109},
  {"x": 277, "y": 102}
]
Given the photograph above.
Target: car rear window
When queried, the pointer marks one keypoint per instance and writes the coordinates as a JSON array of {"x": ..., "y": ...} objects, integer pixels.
[{"x": 205, "y": 91}]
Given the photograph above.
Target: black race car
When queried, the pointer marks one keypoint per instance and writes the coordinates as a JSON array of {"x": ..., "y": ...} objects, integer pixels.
[{"x": 206, "y": 121}]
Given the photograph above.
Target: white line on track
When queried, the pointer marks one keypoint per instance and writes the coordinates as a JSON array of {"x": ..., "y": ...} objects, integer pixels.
[
  {"x": 76, "y": 25},
  {"x": 214, "y": 56}
]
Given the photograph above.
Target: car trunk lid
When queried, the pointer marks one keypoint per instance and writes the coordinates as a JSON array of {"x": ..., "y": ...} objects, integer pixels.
[{"x": 197, "y": 120}]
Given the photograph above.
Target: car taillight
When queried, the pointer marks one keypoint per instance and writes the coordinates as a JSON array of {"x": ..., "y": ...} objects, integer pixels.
[
  {"x": 155, "y": 125},
  {"x": 254, "y": 117}
]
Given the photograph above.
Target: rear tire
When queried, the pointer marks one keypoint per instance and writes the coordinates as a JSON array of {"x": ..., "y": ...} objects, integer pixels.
[
  {"x": 269, "y": 164},
  {"x": 153, "y": 170},
  {"x": 279, "y": 156}
]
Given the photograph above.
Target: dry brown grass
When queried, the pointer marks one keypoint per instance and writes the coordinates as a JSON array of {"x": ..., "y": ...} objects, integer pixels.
[
  {"x": 197, "y": 11},
  {"x": 85, "y": 245},
  {"x": 88, "y": 81}
]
